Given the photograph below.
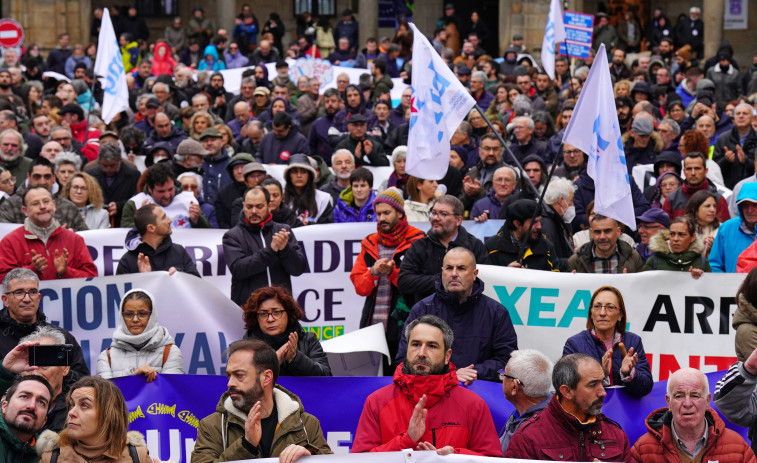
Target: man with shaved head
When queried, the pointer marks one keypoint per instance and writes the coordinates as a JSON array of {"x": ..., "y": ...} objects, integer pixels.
[{"x": 164, "y": 130}]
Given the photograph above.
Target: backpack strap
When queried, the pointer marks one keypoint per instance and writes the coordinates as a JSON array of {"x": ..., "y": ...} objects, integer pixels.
[
  {"x": 107, "y": 351},
  {"x": 654, "y": 261},
  {"x": 166, "y": 350},
  {"x": 54, "y": 455},
  {"x": 133, "y": 453}
]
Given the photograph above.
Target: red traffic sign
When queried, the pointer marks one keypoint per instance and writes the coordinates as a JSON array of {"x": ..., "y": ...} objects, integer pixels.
[{"x": 11, "y": 33}]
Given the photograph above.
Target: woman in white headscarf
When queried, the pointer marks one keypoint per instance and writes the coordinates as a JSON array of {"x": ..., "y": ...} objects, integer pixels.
[{"x": 140, "y": 346}]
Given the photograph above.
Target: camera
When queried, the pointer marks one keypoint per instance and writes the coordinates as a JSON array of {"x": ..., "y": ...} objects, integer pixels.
[{"x": 55, "y": 355}]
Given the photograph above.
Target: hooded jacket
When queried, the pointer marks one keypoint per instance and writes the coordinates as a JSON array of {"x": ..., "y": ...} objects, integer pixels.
[
  {"x": 641, "y": 155},
  {"x": 733, "y": 236},
  {"x": 341, "y": 118},
  {"x": 424, "y": 259},
  {"x": 588, "y": 343},
  {"x": 215, "y": 65},
  {"x": 164, "y": 64},
  {"x": 556, "y": 435},
  {"x": 484, "y": 333},
  {"x": 658, "y": 446},
  {"x": 220, "y": 436},
  {"x": 540, "y": 255},
  {"x": 49, "y": 441},
  {"x": 168, "y": 254},
  {"x": 345, "y": 212},
  {"x": 252, "y": 262},
  {"x": 665, "y": 259},
  {"x": 456, "y": 416},
  {"x": 130, "y": 56},
  {"x": 129, "y": 351}
]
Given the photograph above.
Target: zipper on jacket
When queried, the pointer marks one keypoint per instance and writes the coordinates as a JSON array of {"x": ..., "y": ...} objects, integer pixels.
[
  {"x": 582, "y": 446},
  {"x": 433, "y": 436},
  {"x": 267, "y": 268}
]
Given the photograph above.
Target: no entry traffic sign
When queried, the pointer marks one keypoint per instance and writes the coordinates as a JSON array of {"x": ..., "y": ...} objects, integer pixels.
[{"x": 11, "y": 33}]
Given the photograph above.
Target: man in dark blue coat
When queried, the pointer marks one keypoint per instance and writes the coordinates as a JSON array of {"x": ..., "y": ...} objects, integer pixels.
[{"x": 484, "y": 333}]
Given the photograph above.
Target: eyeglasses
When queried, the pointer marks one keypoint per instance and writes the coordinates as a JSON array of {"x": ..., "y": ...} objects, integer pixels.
[
  {"x": 41, "y": 176},
  {"x": 20, "y": 294},
  {"x": 489, "y": 149},
  {"x": 609, "y": 308},
  {"x": 276, "y": 314},
  {"x": 79, "y": 188},
  {"x": 503, "y": 375},
  {"x": 142, "y": 315},
  {"x": 573, "y": 152},
  {"x": 441, "y": 214}
]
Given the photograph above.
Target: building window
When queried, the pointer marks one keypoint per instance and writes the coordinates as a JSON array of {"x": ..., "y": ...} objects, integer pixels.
[
  {"x": 157, "y": 8},
  {"x": 315, "y": 7}
]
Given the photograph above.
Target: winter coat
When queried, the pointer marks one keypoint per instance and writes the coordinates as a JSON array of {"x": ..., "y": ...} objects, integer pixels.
[
  {"x": 13, "y": 449},
  {"x": 168, "y": 254},
  {"x": 537, "y": 256},
  {"x": 345, "y": 212},
  {"x": 456, "y": 416},
  {"x": 65, "y": 211},
  {"x": 278, "y": 151},
  {"x": 556, "y": 435},
  {"x": 658, "y": 444},
  {"x": 559, "y": 233},
  {"x": 641, "y": 155},
  {"x": 18, "y": 167},
  {"x": 175, "y": 38},
  {"x": 95, "y": 218},
  {"x": 348, "y": 29},
  {"x": 515, "y": 421},
  {"x": 736, "y": 398},
  {"x": 488, "y": 203},
  {"x": 318, "y": 138},
  {"x": 733, "y": 237},
  {"x": 745, "y": 324},
  {"x": 173, "y": 139},
  {"x": 341, "y": 118},
  {"x": 628, "y": 259},
  {"x": 310, "y": 360},
  {"x": 124, "y": 355},
  {"x": 12, "y": 331},
  {"x": 734, "y": 172},
  {"x": 423, "y": 262},
  {"x": 366, "y": 284},
  {"x": 484, "y": 333},
  {"x": 130, "y": 56},
  {"x": 214, "y": 64},
  {"x": 677, "y": 200},
  {"x": 476, "y": 173},
  {"x": 727, "y": 83},
  {"x": 224, "y": 201},
  {"x": 56, "y": 59},
  {"x": 216, "y": 175},
  {"x": 381, "y": 86},
  {"x": 252, "y": 262},
  {"x": 49, "y": 440},
  {"x": 588, "y": 343},
  {"x": 416, "y": 211},
  {"x": 165, "y": 64},
  {"x": 665, "y": 259},
  {"x": 220, "y": 436},
  {"x": 121, "y": 190},
  {"x": 20, "y": 243},
  {"x": 72, "y": 61},
  {"x": 376, "y": 158}
]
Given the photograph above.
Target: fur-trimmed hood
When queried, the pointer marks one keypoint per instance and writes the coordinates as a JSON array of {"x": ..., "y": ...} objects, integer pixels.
[
  {"x": 746, "y": 313},
  {"x": 659, "y": 143},
  {"x": 286, "y": 404},
  {"x": 660, "y": 242},
  {"x": 48, "y": 441}
]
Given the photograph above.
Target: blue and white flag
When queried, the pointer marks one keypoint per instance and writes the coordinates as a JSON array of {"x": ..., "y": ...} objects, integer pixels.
[
  {"x": 439, "y": 104},
  {"x": 109, "y": 67},
  {"x": 554, "y": 33},
  {"x": 594, "y": 129}
]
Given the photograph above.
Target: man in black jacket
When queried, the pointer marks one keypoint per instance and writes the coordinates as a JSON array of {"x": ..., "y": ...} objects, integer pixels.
[
  {"x": 156, "y": 251},
  {"x": 423, "y": 261},
  {"x": 259, "y": 251},
  {"x": 117, "y": 180}
]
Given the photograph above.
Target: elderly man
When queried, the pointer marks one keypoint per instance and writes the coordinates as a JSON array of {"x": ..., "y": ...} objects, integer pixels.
[
  {"x": 50, "y": 150},
  {"x": 343, "y": 163},
  {"x": 164, "y": 131},
  {"x": 242, "y": 115},
  {"x": 735, "y": 150},
  {"x": 308, "y": 104},
  {"x": 117, "y": 180},
  {"x": 214, "y": 164},
  {"x": 431, "y": 412},
  {"x": 12, "y": 150},
  {"x": 504, "y": 181},
  {"x": 42, "y": 244},
  {"x": 459, "y": 300},
  {"x": 377, "y": 267},
  {"x": 41, "y": 173},
  {"x": 479, "y": 181},
  {"x": 527, "y": 384},
  {"x": 478, "y": 91},
  {"x": 568, "y": 427},
  {"x": 605, "y": 253},
  {"x": 282, "y": 142},
  {"x": 256, "y": 418},
  {"x": 641, "y": 147},
  {"x": 524, "y": 144},
  {"x": 423, "y": 261},
  {"x": 688, "y": 429}
]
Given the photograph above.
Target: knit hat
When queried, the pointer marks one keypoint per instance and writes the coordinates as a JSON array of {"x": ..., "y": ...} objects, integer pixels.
[{"x": 391, "y": 196}]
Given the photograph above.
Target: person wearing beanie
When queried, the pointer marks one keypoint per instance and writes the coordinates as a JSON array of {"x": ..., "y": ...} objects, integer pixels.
[{"x": 377, "y": 267}]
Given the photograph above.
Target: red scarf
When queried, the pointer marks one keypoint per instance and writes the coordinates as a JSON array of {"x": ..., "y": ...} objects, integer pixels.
[
  {"x": 395, "y": 236},
  {"x": 261, "y": 224},
  {"x": 689, "y": 190}
]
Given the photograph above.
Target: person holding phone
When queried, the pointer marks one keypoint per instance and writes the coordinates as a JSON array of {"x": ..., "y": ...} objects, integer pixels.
[{"x": 140, "y": 346}]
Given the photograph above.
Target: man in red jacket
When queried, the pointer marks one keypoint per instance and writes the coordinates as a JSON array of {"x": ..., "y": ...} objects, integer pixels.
[
  {"x": 572, "y": 427},
  {"x": 43, "y": 245},
  {"x": 688, "y": 429},
  {"x": 426, "y": 408}
]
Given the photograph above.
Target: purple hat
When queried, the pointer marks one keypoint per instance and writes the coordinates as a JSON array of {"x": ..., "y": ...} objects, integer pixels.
[{"x": 655, "y": 215}]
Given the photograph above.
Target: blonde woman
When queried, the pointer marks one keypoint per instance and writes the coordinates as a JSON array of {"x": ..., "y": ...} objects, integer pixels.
[{"x": 83, "y": 190}]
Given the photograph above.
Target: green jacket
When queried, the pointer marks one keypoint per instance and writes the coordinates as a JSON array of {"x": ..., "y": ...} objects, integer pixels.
[
  {"x": 664, "y": 259},
  {"x": 383, "y": 85},
  {"x": 12, "y": 450},
  {"x": 220, "y": 436}
]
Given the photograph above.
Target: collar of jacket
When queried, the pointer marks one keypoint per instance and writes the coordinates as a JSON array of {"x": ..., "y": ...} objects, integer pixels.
[
  {"x": 435, "y": 387},
  {"x": 451, "y": 300}
]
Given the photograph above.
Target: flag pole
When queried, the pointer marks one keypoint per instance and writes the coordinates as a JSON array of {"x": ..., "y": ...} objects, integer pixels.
[{"x": 501, "y": 140}]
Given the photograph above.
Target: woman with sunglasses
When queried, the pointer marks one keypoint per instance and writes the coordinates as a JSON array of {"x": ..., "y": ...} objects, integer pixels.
[
  {"x": 620, "y": 352},
  {"x": 140, "y": 346}
]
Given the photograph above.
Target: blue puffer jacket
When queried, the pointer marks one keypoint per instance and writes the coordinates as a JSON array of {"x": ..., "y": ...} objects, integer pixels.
[
  {"x": 587, "y": 343},
  {"x": 484, "y": 333},
  {"x": 216, "y": 175},
  {"x": 732, "y": 238},
  {"x": 345, "y": 213}
]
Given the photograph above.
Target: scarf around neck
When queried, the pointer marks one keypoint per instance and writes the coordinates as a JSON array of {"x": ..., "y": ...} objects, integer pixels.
[{"x": 393, "y": 238}]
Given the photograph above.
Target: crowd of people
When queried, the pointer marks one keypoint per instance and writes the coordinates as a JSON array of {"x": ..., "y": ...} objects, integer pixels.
[{"x": 192, "y": 153}]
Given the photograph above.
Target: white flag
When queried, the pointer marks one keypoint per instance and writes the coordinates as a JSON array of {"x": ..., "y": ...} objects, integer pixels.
[
  {"x": 594, "y": 129},
  {"x": 554, "y": 33},
  {"x": 110, "y": 68},
  {"x": 439, "y": 104}
]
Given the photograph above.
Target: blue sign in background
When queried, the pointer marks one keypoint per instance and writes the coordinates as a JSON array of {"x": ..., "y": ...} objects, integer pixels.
[
  {"x": 578, "y": 35},
  {"x": 572, "y": 18},
  {"x": 168, "y": 410},
  {"x": 575, "y": 50}
]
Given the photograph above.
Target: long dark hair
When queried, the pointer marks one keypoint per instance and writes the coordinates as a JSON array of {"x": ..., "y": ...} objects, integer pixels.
[{"x": 304, "y": 200}]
